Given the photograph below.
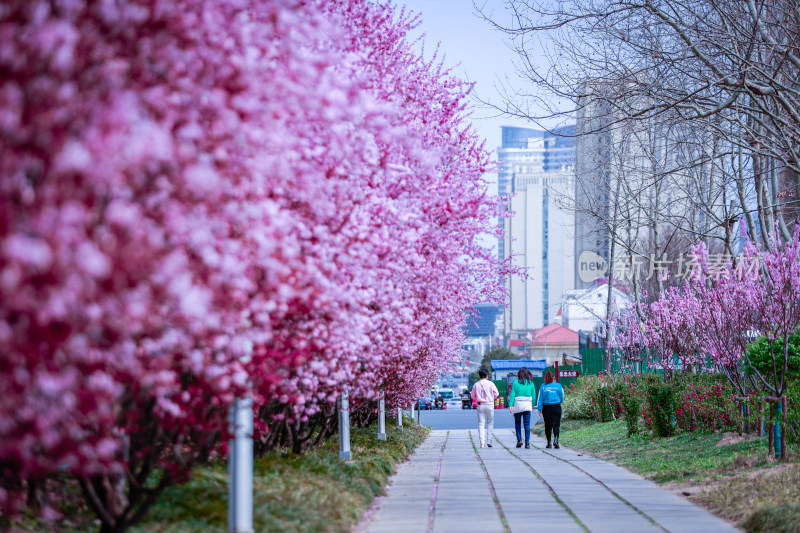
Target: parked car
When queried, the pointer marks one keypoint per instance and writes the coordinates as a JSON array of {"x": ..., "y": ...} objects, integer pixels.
[{"x": 453, "y": 403}]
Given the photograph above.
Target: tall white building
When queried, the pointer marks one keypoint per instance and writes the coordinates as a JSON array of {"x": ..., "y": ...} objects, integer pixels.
[{"x": 536, "y": 170}]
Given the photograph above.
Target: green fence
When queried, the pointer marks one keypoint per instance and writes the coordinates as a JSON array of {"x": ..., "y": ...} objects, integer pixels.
[{"x": 594, "y": 362}]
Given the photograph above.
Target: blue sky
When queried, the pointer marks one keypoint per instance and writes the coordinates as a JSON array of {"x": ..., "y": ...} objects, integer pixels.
[{"x": 474, "y": 49}]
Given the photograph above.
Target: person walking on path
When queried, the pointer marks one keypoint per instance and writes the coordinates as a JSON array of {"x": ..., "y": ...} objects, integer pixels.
[
  {"x": 549, "y": 405},
  {"x": 484, "y": 392},
  {"x": 520, "y": 404}
]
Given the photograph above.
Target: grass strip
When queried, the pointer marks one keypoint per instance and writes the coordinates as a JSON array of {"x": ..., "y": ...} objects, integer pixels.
[
  {"x": 681, "y": 458},
  {"x": 315, "y": 492},
  {"x": 774, "y": 519}
]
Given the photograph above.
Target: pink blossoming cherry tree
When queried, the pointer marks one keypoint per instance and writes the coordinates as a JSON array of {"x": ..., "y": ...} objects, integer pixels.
[
  {"x": 712, "y": 319},
  {"x": 204, "y": 199}
]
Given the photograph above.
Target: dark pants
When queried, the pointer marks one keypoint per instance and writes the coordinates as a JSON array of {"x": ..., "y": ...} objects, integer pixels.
[
  {"x": 552, "y": 420},
  {"x": 523, "y": 418}
]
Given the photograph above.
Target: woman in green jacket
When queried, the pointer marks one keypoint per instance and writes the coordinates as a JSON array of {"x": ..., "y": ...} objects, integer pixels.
[{"x": 520, "y": 403}]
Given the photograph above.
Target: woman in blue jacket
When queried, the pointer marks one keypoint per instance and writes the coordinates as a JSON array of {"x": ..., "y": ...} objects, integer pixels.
[{"x": 549, "y": 405}]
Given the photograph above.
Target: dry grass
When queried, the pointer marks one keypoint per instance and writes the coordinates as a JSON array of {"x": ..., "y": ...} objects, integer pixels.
[{"x": 742, "y": 496}]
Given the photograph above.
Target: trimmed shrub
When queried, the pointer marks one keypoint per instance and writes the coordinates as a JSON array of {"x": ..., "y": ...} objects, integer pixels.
[
  {"x": 660, "y": 408},
  {"x": 760, "y": 355},
  {"x": 625, "y": 403},
  {"x": 599, "y": 391},
  {"x": 705, "y": 403},
  {"x": 620, "y": 390},
  {"x": 631, "y": 406},
  {"x": 793, "y": 414},
  {"x": 761, "y": 359},
  {"x": 577, "y": 405}
]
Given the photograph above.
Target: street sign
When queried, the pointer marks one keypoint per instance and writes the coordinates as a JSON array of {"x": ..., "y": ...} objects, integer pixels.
[{"x": 569, "y": 373}]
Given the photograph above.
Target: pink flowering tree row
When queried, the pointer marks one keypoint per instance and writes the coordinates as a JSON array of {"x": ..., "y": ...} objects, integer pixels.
[
  {"x": 713, "y": 316},
  {"x": 204, "y": 199}
]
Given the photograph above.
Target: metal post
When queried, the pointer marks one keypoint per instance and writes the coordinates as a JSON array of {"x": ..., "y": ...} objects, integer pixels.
[
  {"x": 344, "y": 427},
  {"x": 785, "y": 405},
  {"x": 770, "y": 429},
  {"x": 400, "y": 418},
  {"x": 382, "y": 419},
  {"x": 240, "y": 467},
  {"x": 779, "y": 431}
]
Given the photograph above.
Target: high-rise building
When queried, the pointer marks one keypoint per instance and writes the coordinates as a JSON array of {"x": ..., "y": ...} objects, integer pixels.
[
  {"x": 593, "y": 160},
  {"x": 645, "y": 190},
  {"x": 536, "y": 172}
]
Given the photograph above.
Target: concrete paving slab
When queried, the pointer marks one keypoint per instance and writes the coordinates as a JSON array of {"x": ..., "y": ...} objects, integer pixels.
[{"x": 450, "y": 484}]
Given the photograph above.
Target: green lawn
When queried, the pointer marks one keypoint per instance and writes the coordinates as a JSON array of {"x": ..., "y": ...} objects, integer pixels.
[{"x": 684, "y": 457}]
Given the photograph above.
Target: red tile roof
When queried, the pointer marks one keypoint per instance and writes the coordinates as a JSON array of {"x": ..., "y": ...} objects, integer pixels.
[
  {"x": 516, "y": 343},
  {"x": 553, "y": 333}
]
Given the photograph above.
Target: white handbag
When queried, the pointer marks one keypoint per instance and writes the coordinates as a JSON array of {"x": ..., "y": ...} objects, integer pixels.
[{"x": 523, "y": 404}]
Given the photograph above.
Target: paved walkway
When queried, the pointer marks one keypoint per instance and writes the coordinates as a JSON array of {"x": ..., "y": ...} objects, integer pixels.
[{"x": 451, "y": 485}]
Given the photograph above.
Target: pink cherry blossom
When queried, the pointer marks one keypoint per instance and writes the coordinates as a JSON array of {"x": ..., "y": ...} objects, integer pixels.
[
  {"x": 204, "y": 199},
  {"x": 711, "y": 319}
]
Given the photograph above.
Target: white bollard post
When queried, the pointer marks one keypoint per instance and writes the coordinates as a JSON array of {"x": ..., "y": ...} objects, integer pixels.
[
  {"x": 412, "y": 411},
  {"x": 382, "y": 419},
  {"x": 400, "y": 418},
  {"x": 344, "y": 427},
  {"x": 240, "y": 467}
]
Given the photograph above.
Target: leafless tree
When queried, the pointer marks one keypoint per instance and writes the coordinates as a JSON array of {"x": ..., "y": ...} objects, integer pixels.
[{"x": 688, "y": 117}]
